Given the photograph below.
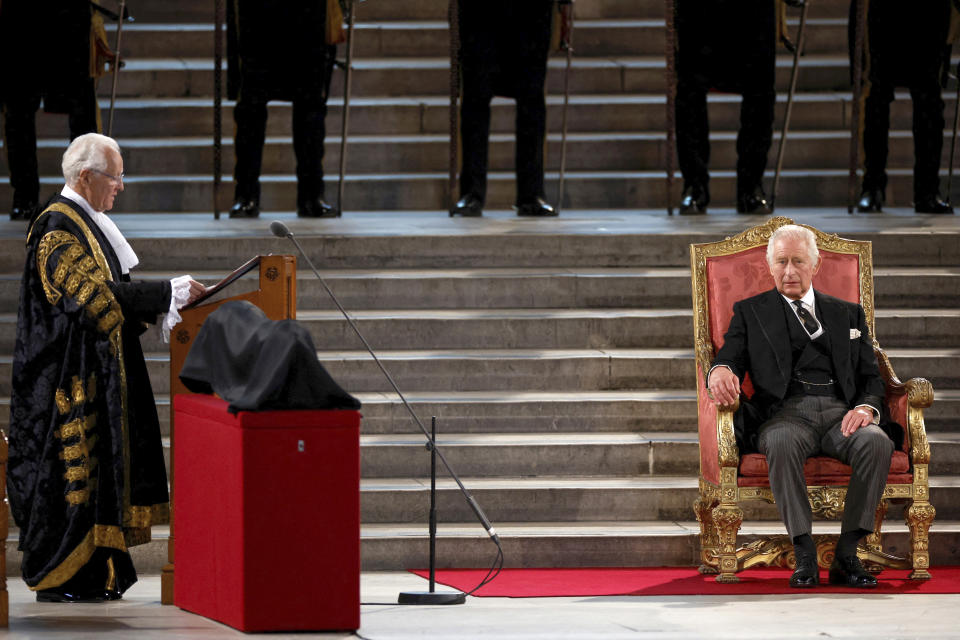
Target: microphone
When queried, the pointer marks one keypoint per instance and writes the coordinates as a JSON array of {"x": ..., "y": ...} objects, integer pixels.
[{"x": 280, "y": 230}]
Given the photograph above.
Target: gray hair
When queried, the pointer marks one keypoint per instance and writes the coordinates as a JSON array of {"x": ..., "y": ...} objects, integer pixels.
[
  {"x": 793, "y": 232},
  {"x": 88, "y": 151}
]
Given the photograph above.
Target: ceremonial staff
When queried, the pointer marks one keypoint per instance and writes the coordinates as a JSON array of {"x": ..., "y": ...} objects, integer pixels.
[
  {"x": 349, "y": 7},
  {"x": 453, "y": 15},
  {"x": 121, "y": 15},
  {"x": 670, "y": 49},
  {"x": 218, "y": 18},
  {"x": 797, "y": 52},
  {"x": 858, "y": 42},
  {"x": 566, "y": 44}
]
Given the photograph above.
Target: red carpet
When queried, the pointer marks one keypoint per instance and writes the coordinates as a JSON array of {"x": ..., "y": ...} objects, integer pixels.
[{"x": 670, "y": 581}]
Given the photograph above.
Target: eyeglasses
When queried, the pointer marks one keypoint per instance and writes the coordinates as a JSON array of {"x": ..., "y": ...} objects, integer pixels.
[{"x": 117, "y": 179}]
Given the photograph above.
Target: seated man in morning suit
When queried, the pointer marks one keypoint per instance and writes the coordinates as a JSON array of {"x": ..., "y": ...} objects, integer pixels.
[
  {"x": 818, "y": 391},
  {"x": 727, "y": 45},
  {"x": 86, "y": 475}
]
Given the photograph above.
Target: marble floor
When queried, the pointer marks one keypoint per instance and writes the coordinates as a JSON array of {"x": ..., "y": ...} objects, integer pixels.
[{"x": 805, "y": 615}]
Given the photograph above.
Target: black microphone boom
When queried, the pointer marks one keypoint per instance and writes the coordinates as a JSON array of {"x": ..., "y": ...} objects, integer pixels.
[{"x": 280, "y": 230}]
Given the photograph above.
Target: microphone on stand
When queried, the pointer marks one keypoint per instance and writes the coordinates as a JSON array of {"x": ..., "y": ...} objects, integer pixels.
[{"x": 280, "y": 230}]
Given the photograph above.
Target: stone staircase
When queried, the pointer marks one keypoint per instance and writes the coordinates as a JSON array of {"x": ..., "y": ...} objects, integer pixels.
[
  {"x": 561, "y": 375},
  {"x": 399, "y": 115},
  {"x": 556, "y": 355}
]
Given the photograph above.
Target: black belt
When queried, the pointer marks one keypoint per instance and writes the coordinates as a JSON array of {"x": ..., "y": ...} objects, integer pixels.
[{"x": 802, "y": 387}]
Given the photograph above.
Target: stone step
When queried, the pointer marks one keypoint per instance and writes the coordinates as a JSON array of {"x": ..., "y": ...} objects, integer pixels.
[
  {"x": 667, "y": 410},
  {"x": 393, "y": 547},
  {"x": 402, "y": 501},
  {"x": 413, "y": 114},
  {"x": 372, "y": 154},
  {"x": 509, "y": 411},
  {"x": 538, "y": 288},
  {"x": 429, "y": 191},
  {"x": 185, "y": 77},
  {"x": 569, "y": 455},
  {"x": 431, "y": 240},
  {"x": 548, "y": 329},
  {"x": 579, "y": 370},
  {"x": 406, "y": 38},
  {"x": 189, "y": 11}
]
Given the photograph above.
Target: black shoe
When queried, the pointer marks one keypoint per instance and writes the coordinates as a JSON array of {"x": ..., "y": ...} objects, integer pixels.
[
  {"x": 112, "y": 594},
  {"x": 871, "y": 201},
  {"x": 931, "y": 204},
  {"x": 807, "y": 573},
  {"x": 245, "y": 209},
  {"x": 754, "y": 202},
  {"x": 849, "y": 572},
  {"x": 23, "y": 211},
  {"x": 469, "y": 206},
  {"x": 64, "y": 595},
  {"x": 694, "y": 200},
  {"x": 537, "y": 208},
  {"x": 317, "y": 208}
]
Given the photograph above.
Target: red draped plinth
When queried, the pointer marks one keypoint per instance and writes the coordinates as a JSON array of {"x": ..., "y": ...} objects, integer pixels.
[{"x": 267, "y": 516}]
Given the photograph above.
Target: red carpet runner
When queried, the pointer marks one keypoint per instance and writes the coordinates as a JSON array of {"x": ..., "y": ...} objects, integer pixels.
[{"x": 670, "y": 581}]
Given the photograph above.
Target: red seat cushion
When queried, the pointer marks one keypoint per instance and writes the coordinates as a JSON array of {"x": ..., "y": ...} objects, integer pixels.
[{"x": 819, "y": 470}]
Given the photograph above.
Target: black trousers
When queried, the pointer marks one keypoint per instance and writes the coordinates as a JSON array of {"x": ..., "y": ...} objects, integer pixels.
[
  {"x": 928, "y": 123},
  {"x": 250, "y": 115},
  {"x": 309, "y": 131},
  {"x": 20, "y": 130},
  {"x": 531, "y": 122},
  {"x": 693, "y": 134}
]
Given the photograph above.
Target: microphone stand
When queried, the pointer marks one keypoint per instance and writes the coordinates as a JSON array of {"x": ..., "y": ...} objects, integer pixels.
[{"x": 281, "y": 231}]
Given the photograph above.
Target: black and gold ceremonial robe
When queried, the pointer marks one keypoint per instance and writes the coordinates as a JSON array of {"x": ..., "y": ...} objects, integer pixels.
[{"x": 86, "y": 470}]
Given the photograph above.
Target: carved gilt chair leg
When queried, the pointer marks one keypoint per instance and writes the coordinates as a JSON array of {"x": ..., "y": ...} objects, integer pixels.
[
  {"x": 727, "y": 518},
  {"x": 709, "y": 542},
  {"x": 919, "y": 518}
]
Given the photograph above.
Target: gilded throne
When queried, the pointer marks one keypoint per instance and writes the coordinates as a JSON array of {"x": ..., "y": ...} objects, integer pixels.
[{"x": 730, "y": 270}]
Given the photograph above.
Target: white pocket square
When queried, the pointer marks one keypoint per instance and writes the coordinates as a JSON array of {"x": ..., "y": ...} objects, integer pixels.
[{"x": 854, "y": 334}]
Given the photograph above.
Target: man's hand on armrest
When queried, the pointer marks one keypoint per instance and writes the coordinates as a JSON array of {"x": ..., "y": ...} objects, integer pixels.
[{"x": 723, "y": 385}]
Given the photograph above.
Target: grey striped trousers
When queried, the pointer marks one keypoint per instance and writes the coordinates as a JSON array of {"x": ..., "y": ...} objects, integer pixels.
[{"x": 809, "y": 425}]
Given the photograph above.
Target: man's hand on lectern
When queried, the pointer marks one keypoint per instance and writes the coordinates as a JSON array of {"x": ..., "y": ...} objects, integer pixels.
[{"x": 196, "y": 290}]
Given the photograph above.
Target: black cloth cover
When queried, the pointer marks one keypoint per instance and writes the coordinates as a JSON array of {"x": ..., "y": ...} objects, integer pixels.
[
  {"x": 86, "y": 474},
  {"x": 255, "y": 363}
]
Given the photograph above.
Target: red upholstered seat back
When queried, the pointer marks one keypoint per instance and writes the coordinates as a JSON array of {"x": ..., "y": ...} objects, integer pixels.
[{"x": 740, "y": 275}]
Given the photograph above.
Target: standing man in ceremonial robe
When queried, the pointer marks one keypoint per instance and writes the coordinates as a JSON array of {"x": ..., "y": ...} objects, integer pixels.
[
  {"x": 54, "y": 50},
  {"x": 726, "y": 45},
  {"x": 86, "y": 475},
  {"x": 908, "y": 46},
  {"x": 281, "y": 51},
  {"x": 503, "y": 52}
]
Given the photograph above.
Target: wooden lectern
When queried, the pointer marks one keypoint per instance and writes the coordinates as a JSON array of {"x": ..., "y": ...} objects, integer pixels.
[{"x": 276, "y": 296}]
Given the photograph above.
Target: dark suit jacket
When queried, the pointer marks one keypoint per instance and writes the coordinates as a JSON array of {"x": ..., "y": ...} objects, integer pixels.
[{"x": 758, "y": 342}]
